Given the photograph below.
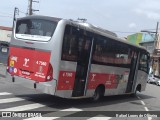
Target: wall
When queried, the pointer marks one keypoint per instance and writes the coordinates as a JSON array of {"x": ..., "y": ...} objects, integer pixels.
[
  {"x": 144, "y": 39},
  {"x": 148, "y": 42},
  {"x": 135, "y": 38},
  {"x": 148, "y": 37},
  {"x": 5, "y": 35},
  {"x": 149, "y": 46}
]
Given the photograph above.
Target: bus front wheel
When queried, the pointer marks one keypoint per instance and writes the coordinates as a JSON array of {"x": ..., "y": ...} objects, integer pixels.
[{"x": 138, "y": 89}]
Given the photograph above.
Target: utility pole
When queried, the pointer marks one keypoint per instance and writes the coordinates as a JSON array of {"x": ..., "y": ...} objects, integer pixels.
[
  {"x": 156, "y": 51},
  {"x": 30, "y": 9},
  {"x": 156, "y": 37},
  {"x": 156, "y": 61}
]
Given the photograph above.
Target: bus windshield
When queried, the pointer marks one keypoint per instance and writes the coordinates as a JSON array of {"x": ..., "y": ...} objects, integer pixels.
[{"x": 35, "y": 29}]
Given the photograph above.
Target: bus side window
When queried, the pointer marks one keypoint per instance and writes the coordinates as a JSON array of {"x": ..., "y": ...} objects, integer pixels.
[
  {"x": 109, "y": 52},
  {"x": 22, "y": 29},
  {"x": 143, "y": 63},
  {"x": 69, "y": 48}
]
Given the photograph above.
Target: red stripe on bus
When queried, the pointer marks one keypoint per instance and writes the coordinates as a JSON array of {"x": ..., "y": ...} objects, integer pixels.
[
  {"x": 111, "y": 81},
  {"x": 28, "y": 63}
]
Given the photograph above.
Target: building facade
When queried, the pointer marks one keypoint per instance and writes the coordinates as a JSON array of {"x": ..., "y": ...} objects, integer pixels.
[
  {"x": 156, "y": 56},
  {"x": 147, "y": 41},
  {"x": 135, "y": 38}
]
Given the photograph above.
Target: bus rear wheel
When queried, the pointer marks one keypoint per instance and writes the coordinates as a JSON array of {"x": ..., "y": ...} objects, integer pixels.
[{"x": 99, "y": 92}]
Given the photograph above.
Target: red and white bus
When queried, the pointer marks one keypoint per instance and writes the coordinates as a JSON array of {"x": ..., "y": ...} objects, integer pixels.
[{"x": 72, "y": 59}]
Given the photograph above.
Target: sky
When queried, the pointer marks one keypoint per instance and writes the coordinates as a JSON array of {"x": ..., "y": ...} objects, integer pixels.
[{"x": 124, "y": 17}]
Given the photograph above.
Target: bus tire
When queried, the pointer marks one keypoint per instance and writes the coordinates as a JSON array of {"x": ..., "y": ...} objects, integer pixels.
[
  {"x": 138, "y": 89},
  {"x": 99, "y": 92}
]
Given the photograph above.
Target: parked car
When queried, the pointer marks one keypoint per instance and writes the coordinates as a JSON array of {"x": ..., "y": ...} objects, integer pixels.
[
  {"x": 158, "y": 83},
  {"x": 153, "y": 79}
]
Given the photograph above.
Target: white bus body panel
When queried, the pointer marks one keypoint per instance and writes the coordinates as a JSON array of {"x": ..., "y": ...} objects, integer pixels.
[
  {"x": 69, "y": 67},
  {"x": 142, "y": 79}
]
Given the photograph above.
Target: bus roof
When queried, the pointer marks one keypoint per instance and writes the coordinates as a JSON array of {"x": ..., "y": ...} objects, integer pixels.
[
  {"x": 41, "y": 17},
  {"x": 104, "y": 32},
  {"x": 85, "y": 25}
]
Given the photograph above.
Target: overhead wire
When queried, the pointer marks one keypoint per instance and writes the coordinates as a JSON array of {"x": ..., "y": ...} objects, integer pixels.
[
  {"x": 6, "y": 16},
  {"x": 22, "y": 12}
]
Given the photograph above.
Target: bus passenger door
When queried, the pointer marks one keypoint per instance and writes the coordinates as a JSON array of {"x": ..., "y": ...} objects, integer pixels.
[
  {"x": 132, "y": 72},
  {"x": 84, "y": 50}
]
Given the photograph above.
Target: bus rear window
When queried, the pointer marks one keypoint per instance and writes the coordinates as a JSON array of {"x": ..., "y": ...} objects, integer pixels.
[{"x": 34, "y": 29}]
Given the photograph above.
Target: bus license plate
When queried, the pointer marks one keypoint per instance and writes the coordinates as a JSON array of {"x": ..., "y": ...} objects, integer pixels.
[{"x": 25, "y": 73}]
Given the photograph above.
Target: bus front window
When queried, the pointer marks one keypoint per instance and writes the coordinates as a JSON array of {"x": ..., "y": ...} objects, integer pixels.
[{"x": 34, "y": 29}]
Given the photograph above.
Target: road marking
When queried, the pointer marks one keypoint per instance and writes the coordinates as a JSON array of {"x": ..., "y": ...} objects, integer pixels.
[
  {"x": 138, "y": 97},
  {"x": 143, "y": 103},
  {"x": 8, "y": 100},
  {"x": 146, "y": 108},
  {"x": 149, "y": 118},
  {"x": 5, "y": 93},
  {"x": 70, "y": 111},
  {"x": 99, "y": 118},
  {"x": 24, "y": 107}
]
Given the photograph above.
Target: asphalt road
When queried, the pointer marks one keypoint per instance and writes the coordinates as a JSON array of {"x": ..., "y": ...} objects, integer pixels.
[{"x": 14, "y": 97}]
